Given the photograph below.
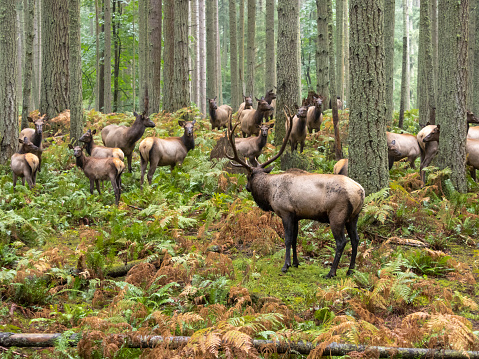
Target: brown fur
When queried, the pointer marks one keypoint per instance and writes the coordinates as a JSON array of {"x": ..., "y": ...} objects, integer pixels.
[
  {"x": 315, "y": 115},
  {"x": 25, "y": 166},
  {"x": 298, "y": 132},
  {"x": 341, "y": 167},
  {"x": 35, "y": 136},
  {"x": 99, "y": 151},
  {"x": 247, "y": 104},
  {"x": 252, "y": 147},
  {"x": 472, "y": 153},
  {"x": 428, "y": 149},
  {"x": 270, "y": 98},
  {"x": 251, "y": 119},
  {"x": 220, "y": 116},
  {"x": 402, "y": 145}
]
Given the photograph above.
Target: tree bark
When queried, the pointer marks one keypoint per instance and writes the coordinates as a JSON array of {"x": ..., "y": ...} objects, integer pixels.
[
  {"x": 181, "y": 95},
  {"x": 101, "y": 79},
  {"x": 117, "y": 11},
  {"x": 218, "y": 54},
  {"x": 471, "y": 59},
  {"x": 475, "y": 100},
  {"x": 133, "y": 66},
  {"x": 235, "y": 99},
  {"x": 202, "y": 52},
  {"x": 368, "y": 156},
  {"x": 76, "y": 95},
  {"x": 55, "y": 92},
  {"x": 339, "y": 49},
  {"x": 389, "y": 21},
  {"x": 36, "y": 57},
  {"x": 195, "y": 57},
  {"x": 241, "y": 49},
  {"x": 97, "y": 60},
  {"x": 270, "y": 66},
  {"x": 345, "y": 100},
  {"x": 451, "y": 104},
  {"x": 8, "y": 82},
  {"x": 20, "y": 48},
  {"x": 322, "y": 51},
  {"x": 434, "y": 39},
  {"x": 107, "y": 78},
  {"x": 251, "y": 49},
  {"x": 211, "y": 67},
  {"x": 154, "y": 89},
  {"x": 29, "y": 14},
  {"x": 169, "y": 55},
  {"x": 404, "y": 106}
]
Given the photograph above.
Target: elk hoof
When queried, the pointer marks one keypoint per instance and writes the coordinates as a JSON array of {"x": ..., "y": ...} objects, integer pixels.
[
  {"x": 296, "y": 265},
  {"x": 329, "y": 275},
  {"x": 349, "y": 272},
  {"x": 285, "y": 268}
]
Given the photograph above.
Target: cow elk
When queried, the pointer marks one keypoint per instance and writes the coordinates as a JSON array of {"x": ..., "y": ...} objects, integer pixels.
[
  {"x": 220, "y": 117},
  {"x": 251, "y": 119},
  {"x": 428, "y": 148},
  {"x": 298, "y": 132},
  {"x": 252, "y": 147},
  {"x": 247, "y": 104},
  {"x": 472, "y": 132},
  {"x": 270, "y": 98},
  {"x": 297, "y": 194},
  {"x": 35, "y": 136},
  {"x": 315, "y": 115},
  {"x": 166, "y": 151},
  {"x": 24, "y": 164},
  {"x": 341, "y": 167},
  {"x": 99, "y": 169},
  {"x": 99, "y": 151},
  {"x": 125, "y": 137},
  {"x": 402, "y": 145}
]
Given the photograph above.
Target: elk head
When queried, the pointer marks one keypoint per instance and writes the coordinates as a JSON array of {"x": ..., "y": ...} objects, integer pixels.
[
  {"x": 471, "y": 118},
  {"x": 212, "y": 102},
  {"x": 145, "y": 120},
  {"x": 270, "y": 96},
  {"x": 264, "y": 128},
  {"x": 87, "y": 136},
  {"x": 188, "y": 126},
  {"x": 433, "y": 135},
  {"x": 28, "y": 146},
  {"x": 38, "y": 123},
  {"x": 263, "y": 105},
  {"x": 393, "y": 149},
  {"x": 318, "y": 102},
  {"x": 248, "y": 101}
]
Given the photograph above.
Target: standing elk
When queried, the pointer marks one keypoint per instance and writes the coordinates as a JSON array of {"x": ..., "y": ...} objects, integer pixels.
[
  {"x": 98, "y": 169},
  {"x": 298, "y": 132},
  {"x": 220, "y": 117},
  {"x": 166, "y": 151},
  {"x": 472, "y": 132},
  {"x": 125, "y": 137},
  {"x": 35, "y": 136},
  {"x": 24, "y": 164},
  {"x": 94, "y": 150},
  {"x": 253, "y": 118},
  {"x": 247, "y": 104},
  {"x": 315, "y": 115},
  {"x": 297, "y": 194},
  {"x": 270, "y": 98},
  {"x": 402, "y": 145},
  {"x": 252, "y": 147},
  {"x": 428, "y": 149}
]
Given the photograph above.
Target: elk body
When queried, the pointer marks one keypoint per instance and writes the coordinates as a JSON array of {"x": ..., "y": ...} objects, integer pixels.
[
  {"x": 341, "y": 167},
  {"x": 270, "y": 98},
  {"x": 220, "y": 117},
  {"x": 35, "y": 136},
  {"x": 24, "y": 164},
  {"x": 99, "y": 151},
  {"x": 297, "y": 194},
  {"x": 166, "y": 151},
  {"x": 252, "y": 147},
  {"x": 472, "y": 151},
  {"x": 247, "y": 104},
  {"x": 298, "y": 131},
  {"x": 472, "y": 132},
  {"x": 402, "y": 145},
  {"x": 251, "y": 119},
  {"x": 98, "y": 169},
  {"x": 315, "y": 115},
  {"x": 125, "y": 137},
  {"x": 428, "y": 148}
]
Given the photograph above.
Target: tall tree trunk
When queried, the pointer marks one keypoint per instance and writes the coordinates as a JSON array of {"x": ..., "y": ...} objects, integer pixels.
[
  {"x": 451, "y": 104},
  {"x": 322, "y": 51},
  {"x": 211, "y": 67},
  {"x": 218, "y": 55},
  {"x": 425, "y": 80},
  {"x": 287, "y": 71},
  {"x": 117, "y": 11},
  {"x": 195, "y": 56},
  {"x": 107, "y": 79},
  {"x": 169, "y": 55},
  {"x": 8, "y": 82},
  {"x": 346, "y": 53},
  {"x": 97, "y": 60},
  {"x": 475, "y": 101},
  {"x": 270, "y": 66},
  {"x": 29, "y": 13},
  {"x": 339, "y": 49},
  {"x": 434, "y": 39},
  {"x": 235, "y": 99},
  {"x": 251, "y": 50},
  {"x": 36, "y": 57},
  {"x": 101, "y": 78},
  {"x": 20, "y": 48},
  {"x": 55, "y": 47},
  {"x": 471, "y": 59},
  {"x": 154, "y": 89},
  {"x": 241, "y": 50},
  {"x": 76, "y": 95},
  {"x": 202, "y": 54},
  {"x": 389, "y": 17},
  {"x": 404, "y": 106},
  {"x": 368, "y": 154},
  {"x": 338, "y": 151},
  {"x": 133, "y": 65},
  {"x": 181, "y": 95}
]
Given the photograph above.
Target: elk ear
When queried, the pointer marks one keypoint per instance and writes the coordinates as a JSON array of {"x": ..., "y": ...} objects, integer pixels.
[
  {"x": 439, "y": 127},
  {"x": 94, "y": 131},
  {"x": 257, "y": 99},
  {"x": 135, "y": 114},
  {"x": 70, "y": 146},
  {"x": 215, "y": 98},
  {"x": 428, "y": 123},
  {"x": 296, "y": 106},
  {"x": 181, "y": 123},
  {"x": 268, "y": 169},
  {"x": 194, "y": 121},
  {"x": 271, "y": 125},
  {"x": 29, "y": 119}
]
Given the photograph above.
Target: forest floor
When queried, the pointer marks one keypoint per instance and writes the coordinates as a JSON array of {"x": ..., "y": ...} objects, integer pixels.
[{"x": 209, "y": 260}]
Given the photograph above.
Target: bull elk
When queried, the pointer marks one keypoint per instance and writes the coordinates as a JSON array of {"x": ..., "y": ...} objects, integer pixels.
[
  {"x": 297, "y": 194},
  {"x": 35, "y": 136},
  {"x": 219, "y": 116},
  {"x": 125, "y": 137},
  {"x": 24, "y": 164},
  {"x": 298, "y": 132},
  {"x": 99, "y": 151},
  {"x": 252, "y": 147},
  {"x": 252, "y": 119},
  {"x": 402, "y": 145},
  {"x": 166, "y": 151},
  {"x": 315, "y": 115},
  {"x": 99, "y": 169}
]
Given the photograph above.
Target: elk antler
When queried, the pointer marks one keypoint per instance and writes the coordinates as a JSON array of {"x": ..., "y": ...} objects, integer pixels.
[
  {"x": 235, "y": 152},
  {"x": 285, "y": 140}
]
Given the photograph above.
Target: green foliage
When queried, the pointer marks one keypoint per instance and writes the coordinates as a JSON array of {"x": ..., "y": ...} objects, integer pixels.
[{"x": 423, "y": 263}]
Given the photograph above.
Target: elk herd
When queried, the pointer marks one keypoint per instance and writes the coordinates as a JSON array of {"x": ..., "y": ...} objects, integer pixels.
[{"x": 293, "y": 195}]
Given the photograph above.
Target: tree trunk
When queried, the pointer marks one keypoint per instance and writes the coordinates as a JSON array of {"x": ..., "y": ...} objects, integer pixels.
[
  {"x": 133, "y": 65},
  {"x": 425, "y": 80},
  {"x": 107, "y": 78},
  {"x": 218, "y": 54},
  {"x": 288, "y": 93},
  {"x": 169, "y": 56},
  {"x": 101, "y": 79},
  {"x": 338, "y": 151},
  {"x": 195, "y": 57},
  {"x": 211, "y": 67},
  {"x": 339, "y": 49},
  {"x": 434, "y": 39},
  {"x": 154, "y": 89},
  {"x": 181, "y": 95},
  {"x": 235, "y": 99},
  {"x": 76, "y": 95},
  {"x": 202, "y": 52},
  {"x": 241, "y": 50},
  {"x": 55, "y": 47},
  {"x": 251, "y": 50},
  {"x": 471, "y": 59},
  {"x": 270, "y": 66},
  {"x": 29, "y": 14},
  {"x": 404, "y": 106},
  {"x": 475, "y": 101},
  {"x": 97, "y": 60},
  {"x": 451, "y": 104},
  {"x": 117, "y": 11},
  {"x": 322, "y": 46},
  {"x": 389, "y": 17},
  {"x": 368, "y": 154},
  {"x": 8, "y": 82},
  {"x": 36, "y": 57},
  {"x": 345, "y": 100}
]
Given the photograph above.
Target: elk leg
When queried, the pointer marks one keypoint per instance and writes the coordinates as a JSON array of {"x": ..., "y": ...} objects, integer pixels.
[
  {"x": 301, "y": 147},
  {"x": 288, "y": 224},
  {"x": 473, "y": 173},
  {"x": 340, "y": 238},
  {"x": 129, "y": 162},
  {"x": 98, "y": 186},
  {"x": 23, "y": 181},
  {"x": 295, "y": 240},
  {"x": 92, "y": 185},
  {"x": 391, "y": 162},
  {"x": 39, "y": 163},
  {"x": 14, "y": 180},
  {"x": 151, "y": 171},
  {"x": 411, "y": 162},
  {"x": 114, "y": 184},
  {"x": 352, "y": 228},
  {"x": 143, "y": 164}
]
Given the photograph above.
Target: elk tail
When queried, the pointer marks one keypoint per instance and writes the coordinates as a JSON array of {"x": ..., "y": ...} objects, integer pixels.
[{"x": 32, "y": 161}]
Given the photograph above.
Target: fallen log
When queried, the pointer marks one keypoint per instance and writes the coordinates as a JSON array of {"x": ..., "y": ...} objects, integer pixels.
[{"x": 151, "y": 341}]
